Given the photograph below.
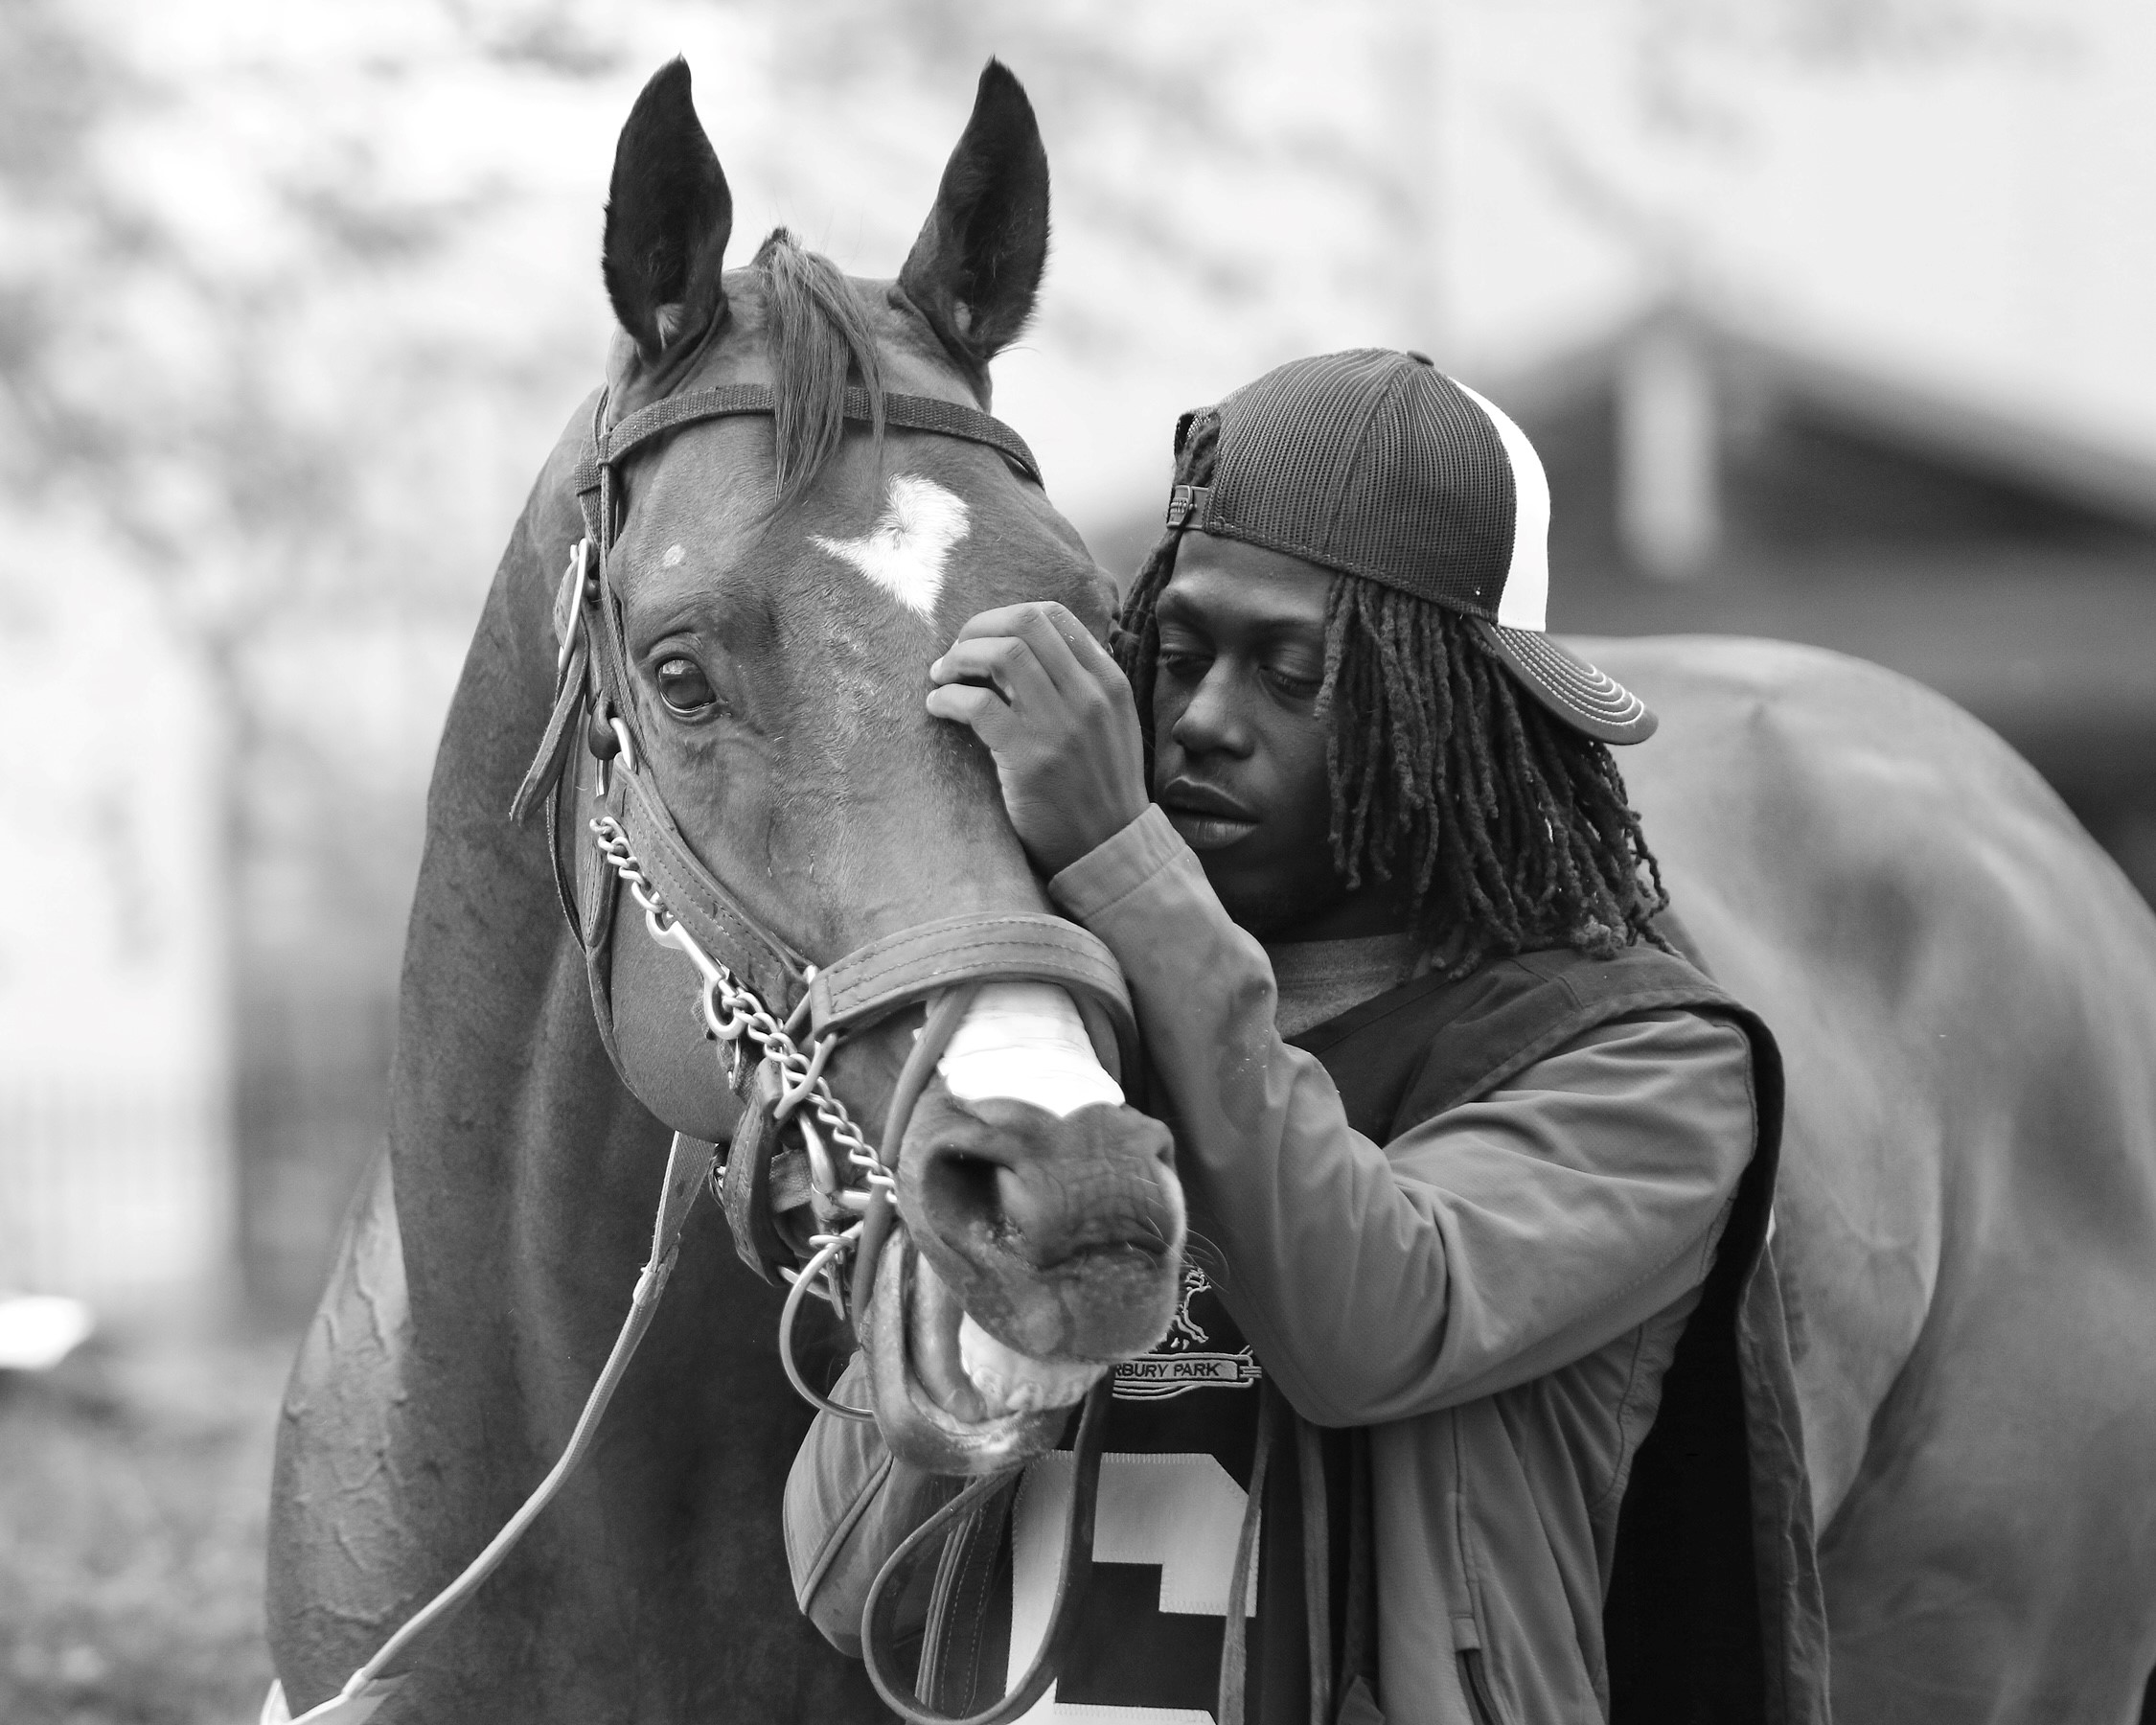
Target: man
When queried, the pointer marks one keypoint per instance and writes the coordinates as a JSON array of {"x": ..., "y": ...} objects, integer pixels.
[{"x": 1462, "y": 1138}]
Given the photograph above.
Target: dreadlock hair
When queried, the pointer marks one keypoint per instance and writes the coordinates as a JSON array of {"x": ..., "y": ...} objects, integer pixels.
[{"x": 1511, "y": 830}]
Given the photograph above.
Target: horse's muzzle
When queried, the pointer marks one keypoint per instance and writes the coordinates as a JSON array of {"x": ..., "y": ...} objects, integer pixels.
[{"x": 1061, "y": 1237}]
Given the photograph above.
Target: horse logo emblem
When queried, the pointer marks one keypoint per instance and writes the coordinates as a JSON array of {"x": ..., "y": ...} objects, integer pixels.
[{"x": 1183, "y": 1362}]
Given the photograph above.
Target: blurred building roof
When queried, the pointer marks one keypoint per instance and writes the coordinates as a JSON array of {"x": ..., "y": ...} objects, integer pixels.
[{"x": 1710, "y": 477}]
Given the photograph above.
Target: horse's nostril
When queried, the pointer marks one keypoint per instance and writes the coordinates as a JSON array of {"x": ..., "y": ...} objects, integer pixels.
[
  {"x": 1000, "y": 1189},
  {"x": 962, "y": 1186}
]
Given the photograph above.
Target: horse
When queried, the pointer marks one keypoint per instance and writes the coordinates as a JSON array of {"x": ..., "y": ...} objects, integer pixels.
[
  {"x": 757, "y": 596},
  {"x": 1965, "y": 989}
]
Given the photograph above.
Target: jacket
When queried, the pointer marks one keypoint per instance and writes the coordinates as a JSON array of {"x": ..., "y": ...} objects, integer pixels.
[{"x": 1442, "y": 1225}]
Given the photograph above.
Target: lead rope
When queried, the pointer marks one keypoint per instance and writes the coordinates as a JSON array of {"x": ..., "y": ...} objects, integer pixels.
[
  {"x": 688, "y": 1166},
  {"x": 1234, "y": 1659},
  {"x": 1317, "y": 1566},
  {"x": 1075, "y": 1576},
  {"x": 867, "y": 1237},
  {"x": 732, "y": 1011}
]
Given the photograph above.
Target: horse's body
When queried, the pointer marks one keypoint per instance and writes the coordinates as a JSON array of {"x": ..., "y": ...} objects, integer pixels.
[{"x": 1965, "y": 989}]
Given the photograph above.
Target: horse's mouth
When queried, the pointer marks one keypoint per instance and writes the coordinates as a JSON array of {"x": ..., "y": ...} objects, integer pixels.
[{"x": 949, "y": 1396}]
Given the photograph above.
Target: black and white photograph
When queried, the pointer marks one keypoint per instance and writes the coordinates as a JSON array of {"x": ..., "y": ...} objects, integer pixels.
[{"x": 1078, "y": 863}]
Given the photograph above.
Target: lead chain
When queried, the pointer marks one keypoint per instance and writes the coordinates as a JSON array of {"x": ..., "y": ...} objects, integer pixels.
[{"x": 732, "y": 1010}]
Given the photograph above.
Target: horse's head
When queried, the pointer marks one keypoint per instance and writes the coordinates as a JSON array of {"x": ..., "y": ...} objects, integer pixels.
[{"x": 784, "y": 581}]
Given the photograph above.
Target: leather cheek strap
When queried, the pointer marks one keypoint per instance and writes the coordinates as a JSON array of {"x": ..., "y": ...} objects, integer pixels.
[{"x": 706, "y": 909}]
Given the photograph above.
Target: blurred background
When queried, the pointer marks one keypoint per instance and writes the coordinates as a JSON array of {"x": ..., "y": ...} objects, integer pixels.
[{"x": 1830, "y": 317}]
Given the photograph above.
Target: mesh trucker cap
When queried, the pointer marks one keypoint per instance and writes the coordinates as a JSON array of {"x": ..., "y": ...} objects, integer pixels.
[{"x": 1376, "y": 463}]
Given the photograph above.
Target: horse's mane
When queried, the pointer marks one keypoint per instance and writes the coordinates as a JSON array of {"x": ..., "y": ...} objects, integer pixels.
[{"x": 821, "y": 341}]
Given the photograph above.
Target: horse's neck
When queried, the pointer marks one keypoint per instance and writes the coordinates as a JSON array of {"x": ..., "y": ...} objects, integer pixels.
[
  {"x": 521, "y": 1163},
  {"x": 524, "y": 1180}
]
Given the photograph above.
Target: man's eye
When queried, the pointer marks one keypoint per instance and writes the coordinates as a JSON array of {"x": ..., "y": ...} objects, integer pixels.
[
  {"x": 684, "y": 688},
  {"x": 1180, "y": 665}
]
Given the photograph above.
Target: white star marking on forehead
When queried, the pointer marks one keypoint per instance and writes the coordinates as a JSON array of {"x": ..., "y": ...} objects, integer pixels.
[{"x": 906, "y": 551}]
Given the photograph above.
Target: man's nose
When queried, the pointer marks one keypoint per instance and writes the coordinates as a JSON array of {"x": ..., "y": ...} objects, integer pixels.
[{"x": 1214, "y": 722}]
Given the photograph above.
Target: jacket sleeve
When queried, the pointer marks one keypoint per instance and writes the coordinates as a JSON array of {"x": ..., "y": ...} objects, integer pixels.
[
  {"x": 850, "y": 1505},
  {"x": 1492, "y": 1244}
]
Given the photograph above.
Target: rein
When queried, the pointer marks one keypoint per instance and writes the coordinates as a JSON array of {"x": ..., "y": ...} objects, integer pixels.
[{"x": 756, "y": 994}]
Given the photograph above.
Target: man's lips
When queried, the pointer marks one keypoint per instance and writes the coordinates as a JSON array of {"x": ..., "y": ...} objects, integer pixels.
[{"x": 1207, "y": 818}]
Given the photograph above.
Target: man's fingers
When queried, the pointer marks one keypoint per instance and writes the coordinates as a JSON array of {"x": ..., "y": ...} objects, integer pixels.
[
  {"x": 1076, "y": 663},
  {"x": 1007, "y": 662},
  {"x": 1091, "y": 655},
  {"x": 1035, "y": 619},
  {"x": 970, "y": 705},
  {"x": 1003, "y": 620}
]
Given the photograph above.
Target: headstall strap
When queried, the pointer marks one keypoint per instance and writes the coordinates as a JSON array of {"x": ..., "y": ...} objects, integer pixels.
[{"x": 610, "y": 444}]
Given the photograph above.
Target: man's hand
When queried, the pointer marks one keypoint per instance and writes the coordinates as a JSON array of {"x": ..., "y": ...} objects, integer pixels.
[{"x": 1056, "y": 714}]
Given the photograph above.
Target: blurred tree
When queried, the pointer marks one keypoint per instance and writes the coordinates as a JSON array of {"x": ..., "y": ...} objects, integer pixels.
[
  {"x": 234, "y": 370},
  {"x": 287, "y": 317},
  {"x": 1692, "y": 72},
  {"x": 1188, "y": 144}
]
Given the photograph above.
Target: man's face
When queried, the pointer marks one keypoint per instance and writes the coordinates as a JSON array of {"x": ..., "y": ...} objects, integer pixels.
[{"x": 1239, "y": 745}]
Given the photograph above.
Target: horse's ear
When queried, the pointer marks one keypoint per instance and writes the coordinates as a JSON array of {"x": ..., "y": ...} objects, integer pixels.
[
  {"x": 669, "y": 216},
  {"x": 977, "y": 265}
]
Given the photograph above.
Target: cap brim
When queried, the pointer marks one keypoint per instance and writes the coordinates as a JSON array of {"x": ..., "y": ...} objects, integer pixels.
[{"x": 1589, "y": 701}]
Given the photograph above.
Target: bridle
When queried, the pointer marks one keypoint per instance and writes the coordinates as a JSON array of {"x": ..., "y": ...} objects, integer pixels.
[
  {"x": 755, "y": 991},
  {"x": 832, "y": 1193}
]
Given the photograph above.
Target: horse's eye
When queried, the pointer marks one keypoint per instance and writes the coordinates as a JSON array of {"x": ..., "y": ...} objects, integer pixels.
[{"x": 684, "y": 688}]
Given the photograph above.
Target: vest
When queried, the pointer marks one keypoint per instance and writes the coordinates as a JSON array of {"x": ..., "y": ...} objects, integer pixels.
[{"x": 1715, "y": 1610}]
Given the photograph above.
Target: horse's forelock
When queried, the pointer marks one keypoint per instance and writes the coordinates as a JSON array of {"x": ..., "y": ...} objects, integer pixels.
[{"x": 820, "y": 340}]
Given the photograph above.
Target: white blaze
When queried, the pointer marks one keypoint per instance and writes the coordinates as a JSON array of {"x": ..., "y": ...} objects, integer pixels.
[
  {"x": 1026, "y": 1041},
  {"x": 906, "y": 551}
]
